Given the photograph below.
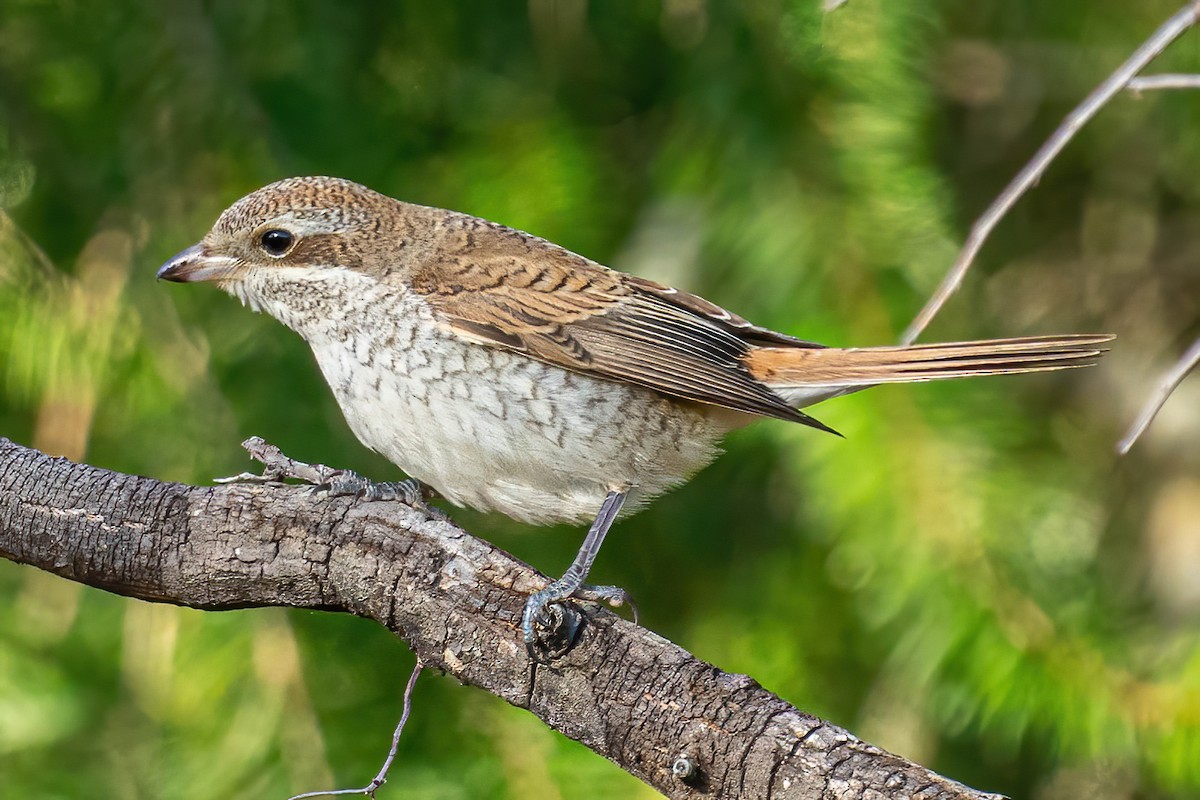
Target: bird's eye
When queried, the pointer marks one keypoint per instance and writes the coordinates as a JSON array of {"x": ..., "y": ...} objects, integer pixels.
[{"x": 277, "y": 242}]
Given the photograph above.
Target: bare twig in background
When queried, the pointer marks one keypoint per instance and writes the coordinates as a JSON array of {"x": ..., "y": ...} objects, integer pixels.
[
  {"x": 1171, "y": 30},
  {"x": 381, "y": 777},
  {"x": 1146, "y": 83},
  {"x": 1167, "y": 385}
]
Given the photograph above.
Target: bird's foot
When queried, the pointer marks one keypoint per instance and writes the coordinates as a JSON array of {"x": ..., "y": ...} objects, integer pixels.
[
  {"x": 278, "y": 467},
  {"x": 348, "y": 483},
  {"x": 551, "y": 627}
]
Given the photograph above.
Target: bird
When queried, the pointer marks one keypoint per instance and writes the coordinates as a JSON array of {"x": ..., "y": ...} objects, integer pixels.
[{"x": 510, "y": 374}]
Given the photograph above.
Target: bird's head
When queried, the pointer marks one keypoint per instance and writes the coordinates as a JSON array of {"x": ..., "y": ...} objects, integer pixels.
[{"x": 293, "y": 231}]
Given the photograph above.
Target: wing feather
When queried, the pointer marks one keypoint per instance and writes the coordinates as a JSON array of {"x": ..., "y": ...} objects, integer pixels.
[{"x": 507, "y": 289}]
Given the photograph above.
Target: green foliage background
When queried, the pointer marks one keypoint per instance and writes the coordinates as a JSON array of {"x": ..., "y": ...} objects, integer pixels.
[{"x": 970, "y": 578}]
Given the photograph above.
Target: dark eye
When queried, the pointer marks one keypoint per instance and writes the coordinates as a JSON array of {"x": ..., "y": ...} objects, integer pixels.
[{"x": 277, "y": 242}]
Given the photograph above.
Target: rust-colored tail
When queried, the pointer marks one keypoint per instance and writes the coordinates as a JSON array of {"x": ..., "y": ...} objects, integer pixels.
[{"x": 808, "y": 375}]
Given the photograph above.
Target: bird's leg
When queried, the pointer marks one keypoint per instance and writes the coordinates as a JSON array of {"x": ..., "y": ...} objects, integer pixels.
[
  {"x": 277, "y": 467},
  {"x": 540, "y": 611}
]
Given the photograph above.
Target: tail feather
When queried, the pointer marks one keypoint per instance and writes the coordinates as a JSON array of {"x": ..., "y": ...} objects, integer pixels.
[{"x": 808, "y": 375}]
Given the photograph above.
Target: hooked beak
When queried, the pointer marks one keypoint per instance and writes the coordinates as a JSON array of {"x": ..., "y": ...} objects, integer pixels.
[{"x": 193, "y": 264}]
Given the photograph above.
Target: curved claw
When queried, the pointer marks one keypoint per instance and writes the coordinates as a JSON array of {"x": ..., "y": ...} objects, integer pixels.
[
  {"x": 612, "y": 596},
  {"x": 561, "y": 624},
  {"x": 632, "y": 608}
]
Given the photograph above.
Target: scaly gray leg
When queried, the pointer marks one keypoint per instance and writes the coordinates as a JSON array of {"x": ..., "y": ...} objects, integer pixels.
[{"x": 571, "y": 584}]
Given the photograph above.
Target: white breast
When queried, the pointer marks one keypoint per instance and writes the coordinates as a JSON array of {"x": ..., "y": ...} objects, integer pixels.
[{"x": 487, "y": 428}]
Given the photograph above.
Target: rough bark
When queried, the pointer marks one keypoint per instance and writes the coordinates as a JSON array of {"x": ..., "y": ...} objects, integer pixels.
[{"x": 628, "y": 694}]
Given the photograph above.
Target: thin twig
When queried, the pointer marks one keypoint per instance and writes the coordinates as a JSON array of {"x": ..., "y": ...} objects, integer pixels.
[
  {"x": 1171, "y": 30},
  {"x": 1146, "y": 83},
  {"x": 381, "y": 777},
  {"x": 1165, "y": 387}
]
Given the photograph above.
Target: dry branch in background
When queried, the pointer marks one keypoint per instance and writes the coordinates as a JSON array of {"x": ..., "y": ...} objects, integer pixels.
[
  {"x": 1147, "y": 83},
  {"x": 679, "y": 724},
  {"x": 1032, "y": 172},
  {"x": 1186, "y": 363}
]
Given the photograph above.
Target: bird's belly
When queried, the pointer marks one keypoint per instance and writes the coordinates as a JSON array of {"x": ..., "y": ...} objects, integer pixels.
[{"x": 496, "y": 430}]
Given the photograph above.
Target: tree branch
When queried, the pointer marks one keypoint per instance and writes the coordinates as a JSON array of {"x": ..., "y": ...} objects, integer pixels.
[
  {"x": 623, "y": 691},
  {"x": 1032, "y": 172},
  {"x": 1170, "y": 381},
  {"x": 1148, "y": 83}
]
